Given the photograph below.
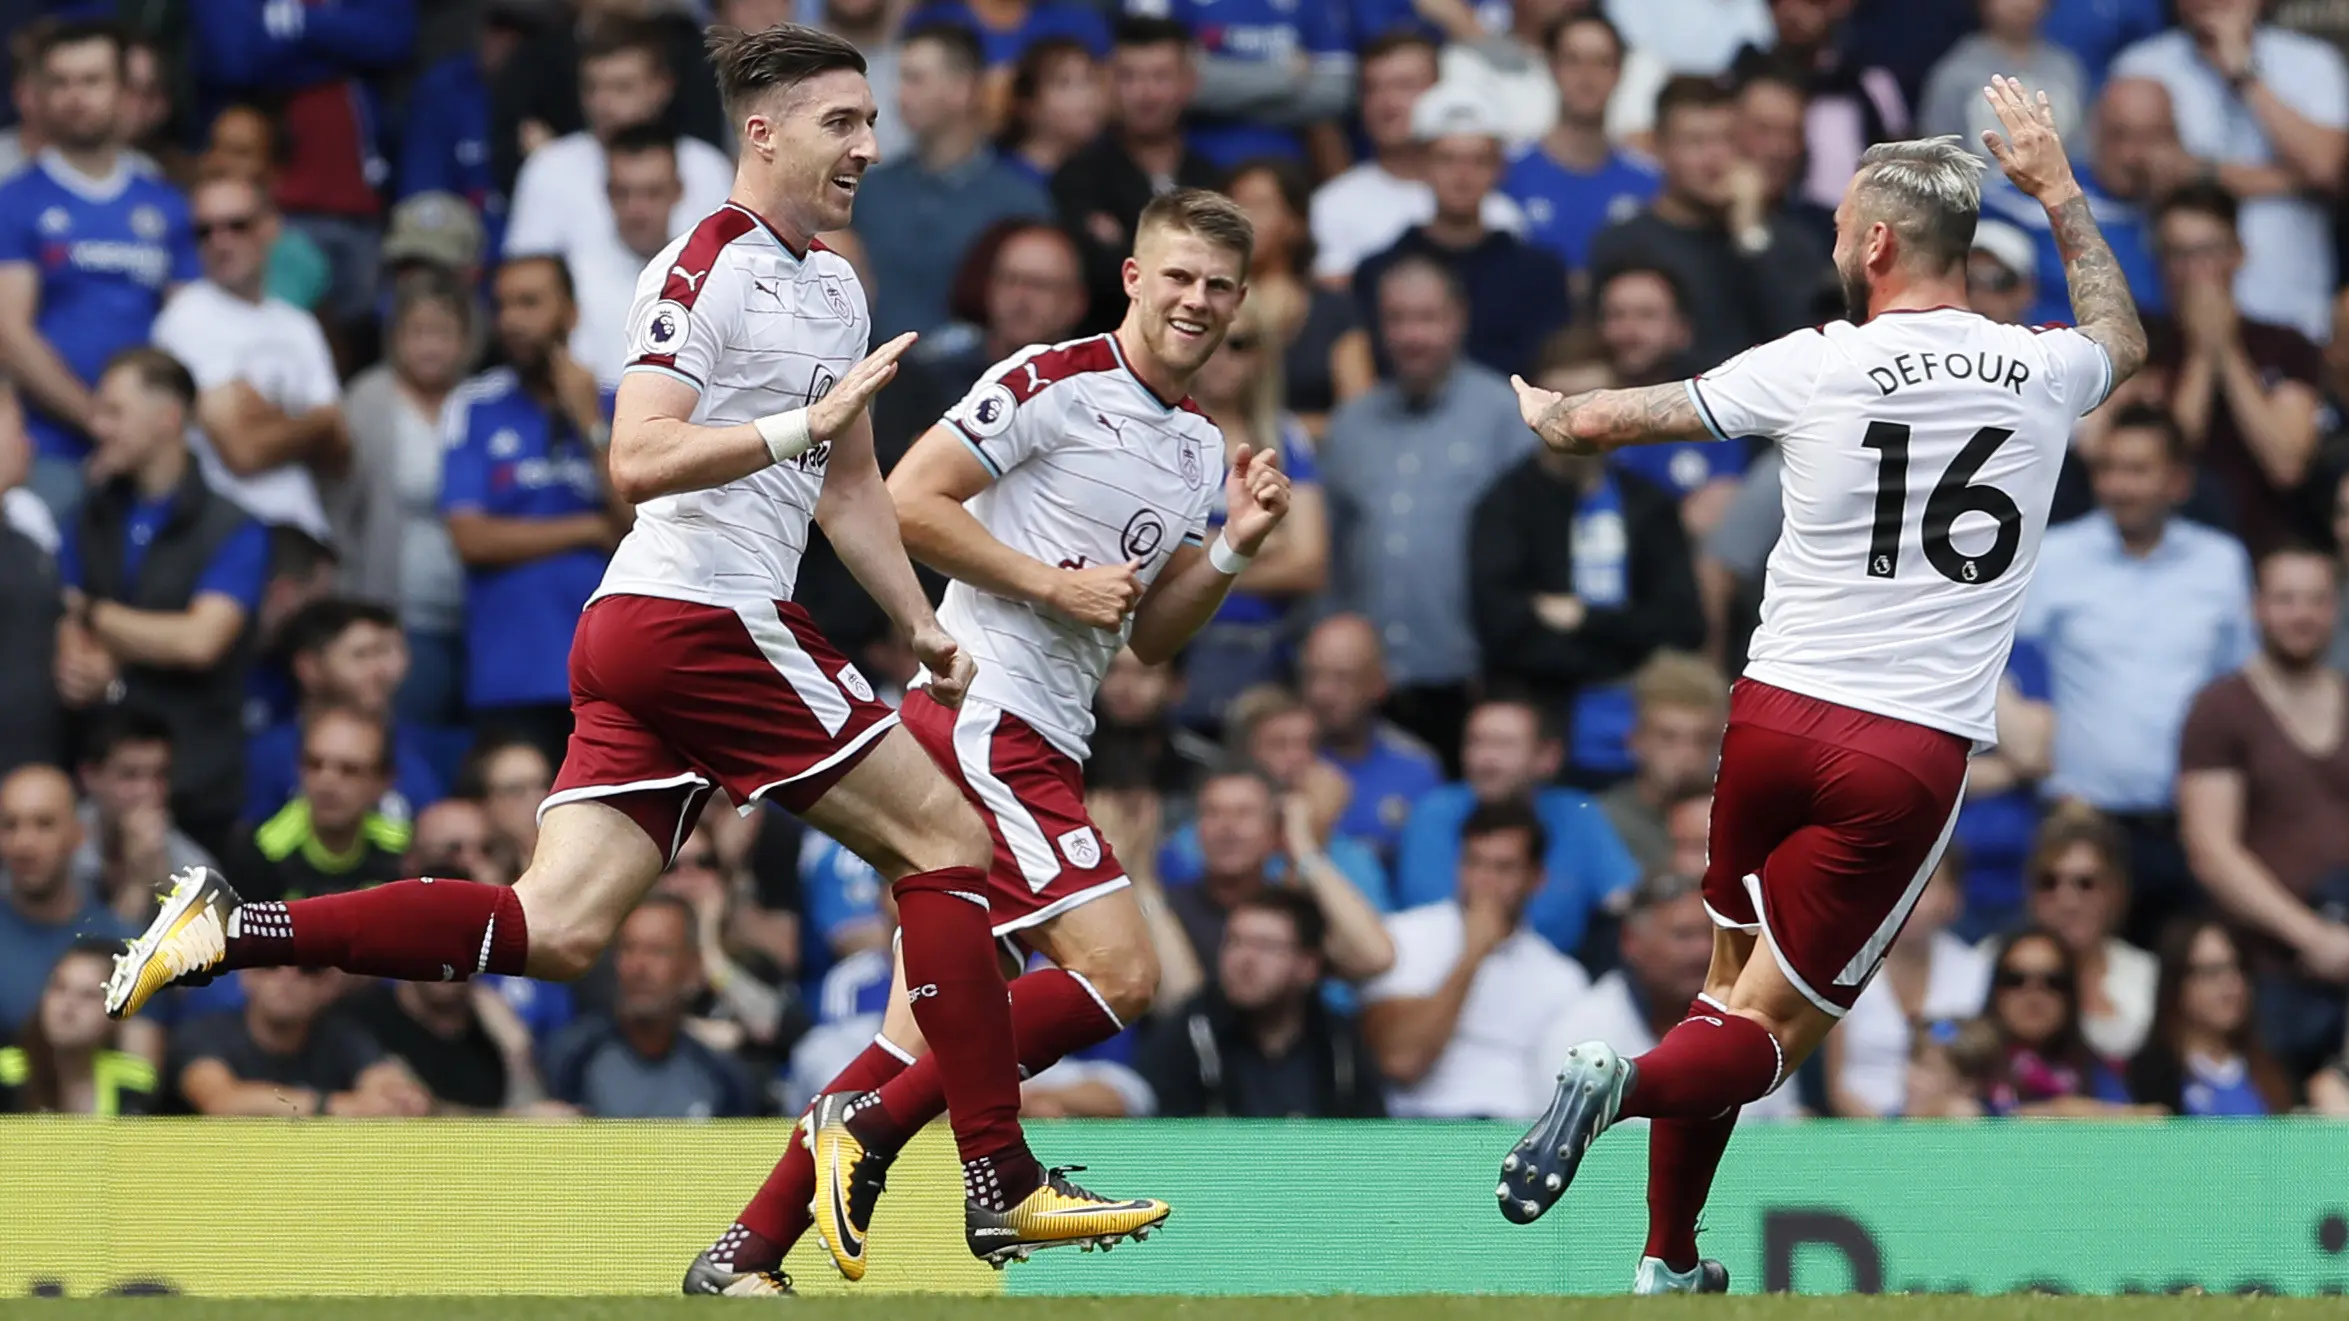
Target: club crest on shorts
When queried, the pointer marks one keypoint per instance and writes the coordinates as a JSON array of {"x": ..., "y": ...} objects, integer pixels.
[
  {"x": 853, "y": 680},
  {"x": 1081, "y": 847},
  {"x": 665, "y": 328},
  {"x": 990, "y": 413}
]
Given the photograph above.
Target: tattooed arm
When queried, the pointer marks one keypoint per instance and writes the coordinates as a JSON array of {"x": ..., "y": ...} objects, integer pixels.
[
  {"x": 2033, "y": 156},
  {"x": 1600, "y": 420}
]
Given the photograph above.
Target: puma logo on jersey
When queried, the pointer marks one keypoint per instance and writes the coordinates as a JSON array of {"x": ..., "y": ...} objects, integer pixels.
[
  {"x": 1035, "y": 378},
  {"x": 692, "y": 279}
]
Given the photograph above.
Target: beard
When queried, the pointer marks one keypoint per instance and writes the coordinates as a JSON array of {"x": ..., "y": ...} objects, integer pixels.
[
  {"x": 1857, "y": 289},
  {"x": 2292, "y": 658}
]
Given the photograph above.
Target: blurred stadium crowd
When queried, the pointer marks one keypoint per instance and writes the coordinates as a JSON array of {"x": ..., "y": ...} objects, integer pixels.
[{"x": 311, "y": 315}]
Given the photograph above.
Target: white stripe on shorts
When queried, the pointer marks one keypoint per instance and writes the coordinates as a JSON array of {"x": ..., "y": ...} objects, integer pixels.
[
  {"x": 974, "y": 748},
  {"x": 816, "y": 689}
]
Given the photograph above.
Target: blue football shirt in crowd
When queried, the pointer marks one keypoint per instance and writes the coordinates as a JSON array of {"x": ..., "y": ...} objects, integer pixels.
[
  {"x": 1602, "y": 580},
  {"x": 1003, "y": 46},
  {"x": 106, "y": 251},
  {"x": 446, "y": 148},
  {"x": 2126, "y": 226},
  {"x": 1585, "y": 863},
  {"x": 1564, "y": 208},
  {"x": 510, "y": 456},
  {"x": 1258, "y": 32},
  {"x": 840, "y": 892},
  {"x": 1995, "y": 831},
  {"x": 1389, "y": 780}
]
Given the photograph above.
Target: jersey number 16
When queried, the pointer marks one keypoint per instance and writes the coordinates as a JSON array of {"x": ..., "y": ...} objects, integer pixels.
[{"x": 1952, "y": 495}]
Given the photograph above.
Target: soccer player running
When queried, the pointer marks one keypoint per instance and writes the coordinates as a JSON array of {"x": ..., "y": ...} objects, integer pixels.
[
  {"x": 740, "y": 418},
  {"x": 1921, "y": 444},
  {"x": 1067, "y": 495}
]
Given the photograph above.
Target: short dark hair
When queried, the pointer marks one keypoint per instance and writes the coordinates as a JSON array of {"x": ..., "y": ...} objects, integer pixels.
[
  {"x": 1671, "y": 281},
  {"x": 638, "y": 139},
  {"x": 1398, "y": 39},
  {"x": 156, "y": 370},
  {"x": 1545, "y": 721},
  {"x": 76, "y": 32},
  {"x": 1772, "y": 74},
  {"x": 1503, "y": 817},
  {"x": 473, "y": 773},
  {"x": 119, "y": 727},
  {"x": 964, "y": 54},
  {"x": 662, "y": 900},
  {"x": 1423, "y": 264},
  {"x": 1272, "y": 792},
  {"x": 1689, "y": 91},
  {"x": 319, "y": 715},
  {"x": 2295, "y": 548},
  {"x": 629, "y": 36},
  {"x": 1136, "y": 30},
  {"x": 2149, "y": 417},
  {"x": 1299, "y": 906},
  {"x": 2207, "y": 197},
  {"x": 1587, "y": 18},
  {"x": 1204, "y": 212},
  {"x": 316, "y": 626},
  {"x": 752, "y": 64},
  {"x": 551, "y": 260}
]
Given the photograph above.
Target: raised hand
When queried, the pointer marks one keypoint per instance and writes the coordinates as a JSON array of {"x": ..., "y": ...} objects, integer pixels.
[
  {"x": 829, "y": 416},
  {"x": 1100, "y": 596},
  {"x": 1256, "y": 498},
  {"x": 2031, "y": 152}
]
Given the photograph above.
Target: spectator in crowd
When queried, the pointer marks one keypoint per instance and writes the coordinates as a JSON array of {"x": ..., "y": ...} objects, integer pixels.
[
  {"x": 2203, "y": 1058},
  {"x": 445, "y": 146},
  {"x": 1578, "y": 572},
  {"x": 464, "y": 1045},
  {"x": 1243, "y": 829},
  {"x": 543, "y": 97},
  {"x": 1102, "y": 189},
  {"x": 163, "y": 579},
  {"x": 639, "y": 1062},
  {"x": 453, "y": 838},
  {"x": 1507, "y": 57},
  {"x": 2009, "y": 43},
  {"x": 2000, "y": 815},
  {"x": 1772, "y": 140},
  {"x": 2122, "y": 677},
  {"x": 1343, "y": 677},
  {"x": 437, "y": 234},
  {"x": 2244, "y": 391},
  {"x": 2266, "y": 113},
  {"x": 1574, "y": 181},
  {"x": 1273, "y": 79},
  {"x": 29, "y": 602},
  {"x": 918, "y": 215},
  {"x": 1260, "y": 1042},
  {"x": 528, "y": 508},
  {"x": 45, "y": 908},
  {"x": 332, "y": 837},
  {"x": 1516, "y": 292},
  {"x": 1058, "y": 108},
  {"x": 271, "y": 405},
  {"x": 243, "y": 144},
  {"x": 2134, "y": 160},
  {"x": 1679, "y": 708},
  {"x": 1692, "y": 36},
  {"x": 1952, "y": 1064},
  {"x": 1269, "y": 731},
  {"x": 1006, "y": 28},
  {"x": 510, "y": 776},
  {"x": 281, "y": 1056},
  {"x": 2002, "y": 274},
  {"x": 1688, "y": 823},
  {"x": 1402, "y": 469},
  {"x": 129, "y": 847},
  {"x": 395, "y": 547},
  {"x": 1319, "y": 353},
  {"x": 2079, "y": 894},
  {"x": 68, "y": 1059},
  {"x": 1460, "y": 1024},
  {"x": 1137, "y": 746},
  {"x": 89, "y": 246},
  {"x": 2048, "y": 1069},
  {"x": 1929, "y": 976},
  {"x": 1363, "y": 211},
  {"x": 1667, "y": 945},
  {"x": 1749, "y": 275},
  {"x": 1851, "y": 103},
  {"x": 567, "y": 200},
  {"x": 748, "y": 1008},
  {"x": 1644, "y": 331},
  {"x": 1022, "y": 283},
  {"x": 350, "y": 654},
  {"x": 314, "y": 65},
  {"x": 1248, "y": 639},
  {"x": 2263, "y": 797},
  {"x": 1510, "y": 753}
]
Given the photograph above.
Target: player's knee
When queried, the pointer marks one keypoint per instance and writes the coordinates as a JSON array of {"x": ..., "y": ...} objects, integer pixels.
[
  {"x": 565, "y": 941},
  {"x": 947, "y": 833},
  {"x": 1126, "y": 980}
]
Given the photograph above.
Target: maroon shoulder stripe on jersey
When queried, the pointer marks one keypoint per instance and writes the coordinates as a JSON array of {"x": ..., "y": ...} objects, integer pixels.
[
  {"x": 690, "y": 273},
  {"x": 1028, "y": 380}
]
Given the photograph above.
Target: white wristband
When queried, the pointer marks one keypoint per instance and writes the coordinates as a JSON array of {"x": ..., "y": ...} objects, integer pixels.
[
  {"x": 1225, "y": 560},
  {"x": 787, "y": 434}
]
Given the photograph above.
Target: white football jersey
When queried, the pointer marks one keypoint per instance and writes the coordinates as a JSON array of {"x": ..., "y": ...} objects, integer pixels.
[
  {"x": 1090, "y": 468},
  {"x": 729, "y": 310},
  {"x": 1921, "y": 452}
]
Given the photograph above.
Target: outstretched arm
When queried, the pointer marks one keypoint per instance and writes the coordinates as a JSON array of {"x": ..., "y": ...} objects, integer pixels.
[
  {"x": 2033, "y": 156},
  {"x": 1600, "y": 420}
]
